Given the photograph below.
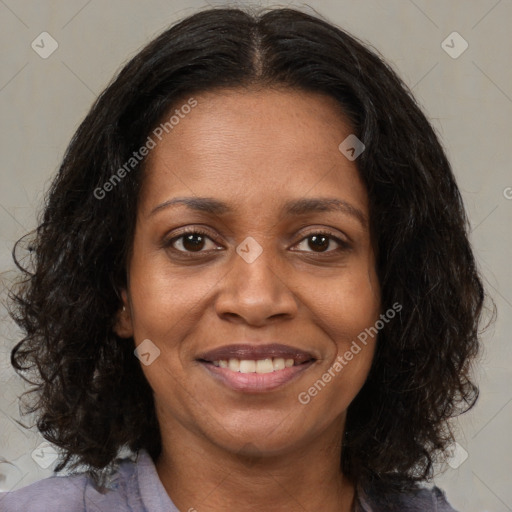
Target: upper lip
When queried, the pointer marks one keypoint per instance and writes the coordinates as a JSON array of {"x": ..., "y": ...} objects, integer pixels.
[{"x": 255, "y": 352}]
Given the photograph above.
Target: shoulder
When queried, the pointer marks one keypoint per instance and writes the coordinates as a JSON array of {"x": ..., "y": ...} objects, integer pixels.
[
  {"x": 54, "y": 493},
  {"x": 72, "y": 493},
  {"x": 418, "y": 499},
  {"x": 426, "y": 499}
]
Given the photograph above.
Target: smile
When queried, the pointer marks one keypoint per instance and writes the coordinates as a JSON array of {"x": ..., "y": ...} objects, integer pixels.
[
  {"x": 256, "y": 368},
  {"x": 255, "y": 376},
  {"x": 267, "y": 365}
]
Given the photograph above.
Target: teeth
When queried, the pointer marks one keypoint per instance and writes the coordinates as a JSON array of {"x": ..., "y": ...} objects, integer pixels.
[
  {"x": 234, "y": 365},
  {"x": 255, "y": 366},
  {"x": 279, "y": 363},
  {"x": 247, "y": 366},
  {"x": 264, "y": 366}
]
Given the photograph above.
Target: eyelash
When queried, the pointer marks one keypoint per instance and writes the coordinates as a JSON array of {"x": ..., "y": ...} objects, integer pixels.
[{"x": 344, "y": 246}]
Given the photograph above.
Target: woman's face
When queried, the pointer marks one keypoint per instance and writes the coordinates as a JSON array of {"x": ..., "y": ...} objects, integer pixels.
[{"x": 270, "y": 266}]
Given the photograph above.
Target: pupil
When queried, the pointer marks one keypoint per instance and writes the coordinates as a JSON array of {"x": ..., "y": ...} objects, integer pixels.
[
  {"x": 315, "y": 239},
  {"x": 193, "y": 245},
  {"x": 317, "y": 242}
]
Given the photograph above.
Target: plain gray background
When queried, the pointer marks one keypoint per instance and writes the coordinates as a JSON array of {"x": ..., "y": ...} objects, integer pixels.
[{"x": 467, "y": 96}]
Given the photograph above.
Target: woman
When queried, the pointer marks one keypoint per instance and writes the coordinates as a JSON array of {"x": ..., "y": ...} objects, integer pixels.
[{"x": 253, "y": 274}]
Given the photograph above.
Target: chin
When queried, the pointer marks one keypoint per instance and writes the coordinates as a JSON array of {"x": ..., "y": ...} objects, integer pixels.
[{"x": 260, "y": 438}]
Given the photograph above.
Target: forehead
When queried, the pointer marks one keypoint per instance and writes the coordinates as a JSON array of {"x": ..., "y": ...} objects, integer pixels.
[{"x": 261, "y": 144}]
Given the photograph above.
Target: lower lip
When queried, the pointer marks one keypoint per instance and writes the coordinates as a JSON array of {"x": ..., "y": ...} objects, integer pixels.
[{"x": 256, "y": 382}]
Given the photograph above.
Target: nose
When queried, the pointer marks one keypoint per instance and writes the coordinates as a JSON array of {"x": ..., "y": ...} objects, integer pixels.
[{"x": 255, "y": 291}]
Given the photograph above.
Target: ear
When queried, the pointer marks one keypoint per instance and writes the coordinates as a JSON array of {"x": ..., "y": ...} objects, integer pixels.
[{"x": 123, "y": 326}]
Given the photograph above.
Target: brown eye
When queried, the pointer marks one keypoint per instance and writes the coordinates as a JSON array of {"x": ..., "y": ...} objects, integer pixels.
[
  {"x": 320, "y": 242},
  {"x": 190, "y": 242},
  {"x": 193, "y": 241}
]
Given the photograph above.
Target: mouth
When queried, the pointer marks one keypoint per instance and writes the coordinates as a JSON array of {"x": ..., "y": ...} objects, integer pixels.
[{"x": 256, "y": 369}]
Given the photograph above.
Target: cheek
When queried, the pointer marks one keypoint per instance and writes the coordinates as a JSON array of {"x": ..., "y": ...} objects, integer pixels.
[
  {"x": 348, "y": 309},
  {"x": 164, "y": 307},
  {"x": 348, "y": 304},
  {"x": 164, "y": 300},
  {"x": 347, "y": 318}
]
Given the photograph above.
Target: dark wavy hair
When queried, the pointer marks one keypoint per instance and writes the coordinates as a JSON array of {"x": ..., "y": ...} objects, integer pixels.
[{"x": 90, "y": 394}]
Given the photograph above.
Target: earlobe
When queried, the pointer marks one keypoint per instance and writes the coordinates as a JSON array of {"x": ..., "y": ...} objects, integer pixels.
[{"x": 123, "y": 326}]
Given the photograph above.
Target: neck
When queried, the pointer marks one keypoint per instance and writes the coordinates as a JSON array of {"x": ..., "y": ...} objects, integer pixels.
[{"x": 199, "y": 475}]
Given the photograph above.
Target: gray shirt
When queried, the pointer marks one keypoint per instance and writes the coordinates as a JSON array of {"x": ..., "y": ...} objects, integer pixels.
[{"x": 136, "y": 487}]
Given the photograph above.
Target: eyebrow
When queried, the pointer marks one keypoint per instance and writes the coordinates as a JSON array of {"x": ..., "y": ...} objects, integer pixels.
[{"x": 292, "y": 207}]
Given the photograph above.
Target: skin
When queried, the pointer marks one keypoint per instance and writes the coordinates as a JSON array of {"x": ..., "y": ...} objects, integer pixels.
[{"x": 253, "y": 149}]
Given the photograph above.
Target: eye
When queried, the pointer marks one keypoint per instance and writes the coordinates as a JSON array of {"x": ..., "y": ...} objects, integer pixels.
[
  {"x": 194, "y": 240},
  {"x": 320, "y": 241},
  {"x": 190, "y": 241}
]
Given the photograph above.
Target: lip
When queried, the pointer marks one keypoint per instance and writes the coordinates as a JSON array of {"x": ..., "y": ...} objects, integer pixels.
[
  {"x": 256, "y": 382},
  {"x": 255, "y": 352}
]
